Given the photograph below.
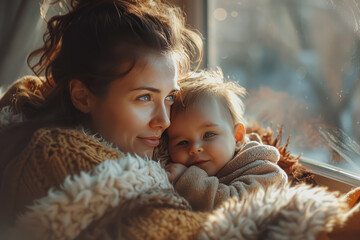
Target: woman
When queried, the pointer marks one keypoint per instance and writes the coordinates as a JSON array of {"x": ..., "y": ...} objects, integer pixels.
[{"x": 111, "y": 70}]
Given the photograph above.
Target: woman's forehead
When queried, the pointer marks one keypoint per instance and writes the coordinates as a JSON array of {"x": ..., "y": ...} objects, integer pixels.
[
  {"x": 163, "y": 61},
  {"x": 153, "y": 70}
]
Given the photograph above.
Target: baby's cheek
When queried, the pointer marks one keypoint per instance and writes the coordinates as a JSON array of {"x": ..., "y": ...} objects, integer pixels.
[{"x": 179, "y": 157}]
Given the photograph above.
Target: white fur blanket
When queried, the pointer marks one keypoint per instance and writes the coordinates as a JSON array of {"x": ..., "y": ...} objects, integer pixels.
[{"x": 297, "y": 212}]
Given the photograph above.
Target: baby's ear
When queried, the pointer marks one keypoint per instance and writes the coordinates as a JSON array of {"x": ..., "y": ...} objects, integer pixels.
[{"x": 239, "y": 133}]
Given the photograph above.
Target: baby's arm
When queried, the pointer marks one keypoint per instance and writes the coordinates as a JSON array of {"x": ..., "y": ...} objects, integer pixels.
[
  {"x": 174, "y": 171},
  {"x": 206, "y": 193},
  {"x": 252, "y": 168},
  {"x": 197, "y": 188},
  {"x": 256, "y": 174},
  {"x": 255, "y": 166}
]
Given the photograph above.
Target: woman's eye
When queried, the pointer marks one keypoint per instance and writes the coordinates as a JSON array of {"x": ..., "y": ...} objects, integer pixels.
[
  {"x": 209, "y": 135},
  {"x": 144, "y": 98},
  {"x": 182, "y": 143},
  {"x": 170, "y": 98}
]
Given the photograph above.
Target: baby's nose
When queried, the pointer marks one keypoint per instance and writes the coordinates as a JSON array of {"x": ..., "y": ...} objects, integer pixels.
[{"x": 196, "y": 149}]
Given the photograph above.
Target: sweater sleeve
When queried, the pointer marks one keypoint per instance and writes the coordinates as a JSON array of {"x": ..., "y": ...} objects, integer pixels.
[
  {"x": 198, "y": 188},
  {"x": 254, "y": 167},
  {"x": 259, "y": 173},
  {"x": 51, "y": 156}
]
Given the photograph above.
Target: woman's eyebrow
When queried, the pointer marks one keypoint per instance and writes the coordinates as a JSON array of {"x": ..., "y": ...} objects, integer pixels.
[
  {"x": 146, "y": 88},
  {"x": 152, "y": 89}
]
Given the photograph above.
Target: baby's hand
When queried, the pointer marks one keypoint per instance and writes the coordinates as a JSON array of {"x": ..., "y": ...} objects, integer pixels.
[{"x": 174, "y": 171}]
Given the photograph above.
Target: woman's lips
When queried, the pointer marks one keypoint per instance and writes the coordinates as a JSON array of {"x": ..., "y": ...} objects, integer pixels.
[{"x": 150, "y": 141}]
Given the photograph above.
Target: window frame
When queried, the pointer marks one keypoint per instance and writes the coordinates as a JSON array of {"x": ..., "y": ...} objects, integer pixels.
[{"x": 325, "y": 174}]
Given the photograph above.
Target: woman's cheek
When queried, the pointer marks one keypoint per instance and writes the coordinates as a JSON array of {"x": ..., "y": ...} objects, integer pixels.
[{"x": 137, "y": 118}]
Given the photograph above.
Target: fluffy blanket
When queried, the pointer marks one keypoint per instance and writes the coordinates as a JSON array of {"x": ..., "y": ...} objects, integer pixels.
[{"x": 116, "y": 189}]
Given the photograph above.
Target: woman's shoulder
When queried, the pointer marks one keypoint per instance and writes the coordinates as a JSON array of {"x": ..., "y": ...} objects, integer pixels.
[
  {"x": 97, "y": 201},
  {"x": 17, "y": 93},
  {"x": 49, "y": 157},
  {"x": 71, "y": 141}
]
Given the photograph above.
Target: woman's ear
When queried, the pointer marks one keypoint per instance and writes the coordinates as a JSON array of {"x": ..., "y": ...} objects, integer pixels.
[
  {"x": 80, "y": 95},
  {"x": 239, "y": 133}
]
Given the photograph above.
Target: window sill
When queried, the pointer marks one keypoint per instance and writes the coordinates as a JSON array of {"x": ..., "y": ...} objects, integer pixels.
[{"x": 333, "y": 177}]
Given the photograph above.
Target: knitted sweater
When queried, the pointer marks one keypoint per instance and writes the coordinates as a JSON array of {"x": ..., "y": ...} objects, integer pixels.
[
  {"x": 51, "y": 155},
  {"x": 253, "y": 166}
]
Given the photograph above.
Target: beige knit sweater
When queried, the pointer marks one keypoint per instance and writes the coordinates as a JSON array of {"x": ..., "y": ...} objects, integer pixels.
[
  {"x": 254, "y": 166},
  {"x": 51, "y": 155}
]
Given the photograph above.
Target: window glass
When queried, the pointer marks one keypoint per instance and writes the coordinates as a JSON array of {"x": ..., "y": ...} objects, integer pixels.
[
  {"x": 299, "y": 61},
  {"x": 21, "y": 32}
]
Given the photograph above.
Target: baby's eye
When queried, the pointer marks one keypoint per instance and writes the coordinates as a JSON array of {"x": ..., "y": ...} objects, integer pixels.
[
  {"x": 170, "y": 98},
  {"x": 144, "y": 98},
  {"x": 209, "y": 135},
  {"x": 182, "y": 143}
]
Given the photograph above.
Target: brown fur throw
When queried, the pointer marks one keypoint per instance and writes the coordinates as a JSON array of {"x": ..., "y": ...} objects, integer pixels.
[{"x": 288, "y": 162}]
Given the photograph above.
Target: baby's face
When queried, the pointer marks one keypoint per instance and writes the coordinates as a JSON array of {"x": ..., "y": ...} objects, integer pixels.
[{"x": 202, "y": 136}]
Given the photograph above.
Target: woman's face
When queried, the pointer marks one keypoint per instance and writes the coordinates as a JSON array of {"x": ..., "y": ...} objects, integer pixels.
[{"x": 136, "y": 109}]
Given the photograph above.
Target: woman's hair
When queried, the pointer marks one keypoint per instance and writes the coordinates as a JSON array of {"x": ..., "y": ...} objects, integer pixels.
[{"x": 93, "y": 41}]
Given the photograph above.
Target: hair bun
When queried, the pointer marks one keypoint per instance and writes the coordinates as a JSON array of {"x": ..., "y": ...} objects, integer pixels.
[{"x": 67, "y": 4}]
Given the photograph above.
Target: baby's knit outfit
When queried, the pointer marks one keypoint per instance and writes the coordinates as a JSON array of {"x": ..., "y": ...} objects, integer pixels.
[{"x": 254, "y": 166}]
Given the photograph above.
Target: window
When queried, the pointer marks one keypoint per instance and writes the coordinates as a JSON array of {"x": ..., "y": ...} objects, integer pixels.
[
  {"x": 21, "y": 32},
  {"x": 299, "y": 61}
]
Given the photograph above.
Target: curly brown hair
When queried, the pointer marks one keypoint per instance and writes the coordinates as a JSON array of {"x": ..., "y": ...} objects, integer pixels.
[{"x": 94, "y": 37}]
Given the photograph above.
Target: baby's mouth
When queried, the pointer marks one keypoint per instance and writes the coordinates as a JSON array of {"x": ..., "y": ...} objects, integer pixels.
[{"x": 199, "y": 163}]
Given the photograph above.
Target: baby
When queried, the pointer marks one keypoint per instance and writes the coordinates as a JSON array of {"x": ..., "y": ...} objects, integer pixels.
[{"x": 211, "y": 157}]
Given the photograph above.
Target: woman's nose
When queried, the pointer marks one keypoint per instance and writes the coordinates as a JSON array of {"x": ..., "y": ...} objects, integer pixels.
[
  {"x": 161, "y": 118},
  {"x": 196, "y": 149}
]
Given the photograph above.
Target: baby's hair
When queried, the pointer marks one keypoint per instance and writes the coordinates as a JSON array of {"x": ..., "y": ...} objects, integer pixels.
[{"x": 210, "y": 84}]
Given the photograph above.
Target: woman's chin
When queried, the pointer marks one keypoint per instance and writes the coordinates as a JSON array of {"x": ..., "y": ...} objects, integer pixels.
[{"x": 146, "y": 153}]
